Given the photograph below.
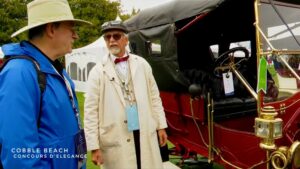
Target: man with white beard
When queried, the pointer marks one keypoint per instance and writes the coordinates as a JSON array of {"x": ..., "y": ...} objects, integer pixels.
[{"x": 123, "y": 109}]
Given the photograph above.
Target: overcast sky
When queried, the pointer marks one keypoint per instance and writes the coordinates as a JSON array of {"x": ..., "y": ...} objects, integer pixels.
[{"x": 128, "y": 5}]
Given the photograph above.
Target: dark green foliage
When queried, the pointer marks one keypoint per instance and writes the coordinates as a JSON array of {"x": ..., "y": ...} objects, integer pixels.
[
  {"x": 95, "y": 11},
  {"x": 13, "y": 16}
]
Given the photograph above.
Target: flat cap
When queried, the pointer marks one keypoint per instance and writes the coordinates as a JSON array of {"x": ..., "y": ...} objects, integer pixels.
[{"x": 114, "y": 25}]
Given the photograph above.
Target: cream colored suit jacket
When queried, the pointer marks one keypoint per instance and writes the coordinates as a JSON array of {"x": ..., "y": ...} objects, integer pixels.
[{"x": 105, "y": 118}]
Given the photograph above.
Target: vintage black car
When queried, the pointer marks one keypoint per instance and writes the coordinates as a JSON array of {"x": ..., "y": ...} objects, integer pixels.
[{"x": 227, "y": 71}]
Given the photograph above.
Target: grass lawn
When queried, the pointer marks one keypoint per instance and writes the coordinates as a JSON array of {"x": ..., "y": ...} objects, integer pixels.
[
  {"x": 80, "y": 98},
  {"x": 90, "y": 165}
]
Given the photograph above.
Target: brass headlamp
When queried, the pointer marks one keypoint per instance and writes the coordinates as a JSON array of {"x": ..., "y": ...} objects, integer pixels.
[{"x": 268, "y": 127}]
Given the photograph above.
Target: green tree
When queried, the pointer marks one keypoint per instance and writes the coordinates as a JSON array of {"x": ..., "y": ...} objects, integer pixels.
[
  {"x": 13, "y": 16},
  {"x": 95, "y": 11}
]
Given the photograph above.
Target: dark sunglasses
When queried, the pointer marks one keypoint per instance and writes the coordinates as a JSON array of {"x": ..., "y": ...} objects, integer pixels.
[{"x": 116, "y": 36}]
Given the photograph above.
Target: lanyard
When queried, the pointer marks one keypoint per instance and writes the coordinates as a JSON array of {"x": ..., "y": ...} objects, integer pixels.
[
  {"x": 125, "y": 85},
  {"x": 125, "y": 82},
  {"x": 71, "y": 96}
]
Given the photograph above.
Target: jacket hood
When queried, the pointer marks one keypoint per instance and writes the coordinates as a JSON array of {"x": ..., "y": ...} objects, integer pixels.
[
  {"x": 13, "y": 49},
  {"x": 26, "y": 48}
]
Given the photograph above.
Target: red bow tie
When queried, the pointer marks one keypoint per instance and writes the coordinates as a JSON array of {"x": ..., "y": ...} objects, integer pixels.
[{"x": 122, "y": 59}]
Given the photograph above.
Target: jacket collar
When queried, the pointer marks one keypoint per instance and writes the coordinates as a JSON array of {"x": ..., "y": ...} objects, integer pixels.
[
  {"x": 132, "y": 61},
  {"x": 109, "y": 70}
]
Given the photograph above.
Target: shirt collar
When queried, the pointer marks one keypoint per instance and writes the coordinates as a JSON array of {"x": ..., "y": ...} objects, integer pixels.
[{"x": 113, "y": 57}]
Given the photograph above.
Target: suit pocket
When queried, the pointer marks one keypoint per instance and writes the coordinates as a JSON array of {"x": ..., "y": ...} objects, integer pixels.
[{"x": 109, "y": 136}]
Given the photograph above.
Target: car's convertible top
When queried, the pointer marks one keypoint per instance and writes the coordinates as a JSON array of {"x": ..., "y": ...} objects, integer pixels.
[
  {"x": 178, "y": 36},
  {"x": 170, "y": 13}
]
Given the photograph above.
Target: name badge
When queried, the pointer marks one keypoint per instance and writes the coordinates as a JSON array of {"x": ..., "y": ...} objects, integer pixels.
[
  {"x": 132, "y": 118},
  {"x": 228, "y": 84}
]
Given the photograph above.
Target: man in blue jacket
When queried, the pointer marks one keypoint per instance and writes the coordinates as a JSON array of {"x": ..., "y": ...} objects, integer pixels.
[{"x": 41, "y": 129}]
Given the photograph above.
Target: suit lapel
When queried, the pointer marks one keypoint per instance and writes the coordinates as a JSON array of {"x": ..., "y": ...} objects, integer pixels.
[
  {"x": 133, "y": 64},
  {"x": 113, "y": 78}
]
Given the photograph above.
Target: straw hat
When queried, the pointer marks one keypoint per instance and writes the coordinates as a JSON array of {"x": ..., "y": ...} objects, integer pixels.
[{"x": 41, "y": 12}]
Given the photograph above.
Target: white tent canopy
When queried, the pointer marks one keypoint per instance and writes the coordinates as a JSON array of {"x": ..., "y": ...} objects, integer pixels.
[{"x": 82, "y": 60}]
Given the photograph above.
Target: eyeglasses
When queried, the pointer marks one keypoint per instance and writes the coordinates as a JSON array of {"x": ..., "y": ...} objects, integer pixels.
[{"x": 116, "y": 36}]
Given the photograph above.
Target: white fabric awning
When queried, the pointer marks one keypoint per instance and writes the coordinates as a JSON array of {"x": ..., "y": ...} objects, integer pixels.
[{"x": 1, "y": 53}]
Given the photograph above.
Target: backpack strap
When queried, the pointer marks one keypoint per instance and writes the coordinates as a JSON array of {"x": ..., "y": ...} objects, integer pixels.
[{"x": 40, "y": 75}]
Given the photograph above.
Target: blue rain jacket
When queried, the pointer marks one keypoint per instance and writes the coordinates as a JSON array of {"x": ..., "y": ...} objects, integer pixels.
[{"x": 24, "y": 144}]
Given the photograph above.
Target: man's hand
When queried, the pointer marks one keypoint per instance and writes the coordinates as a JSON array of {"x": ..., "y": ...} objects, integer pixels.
[
  {"x": 163, "y": 137},
  {"x": 97, "y": 157}
]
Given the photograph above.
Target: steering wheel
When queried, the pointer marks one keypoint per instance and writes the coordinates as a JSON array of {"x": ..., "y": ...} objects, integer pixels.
[{"x": 225, "y": 58}]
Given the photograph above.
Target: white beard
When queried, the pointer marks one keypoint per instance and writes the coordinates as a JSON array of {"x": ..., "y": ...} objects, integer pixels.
[{"x": 114, "y": 50}]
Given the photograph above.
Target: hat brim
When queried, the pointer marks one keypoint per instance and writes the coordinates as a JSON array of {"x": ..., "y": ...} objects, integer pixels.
[
  {"x": 78, "y": 21},
  {"x": 115, "y": 28}
]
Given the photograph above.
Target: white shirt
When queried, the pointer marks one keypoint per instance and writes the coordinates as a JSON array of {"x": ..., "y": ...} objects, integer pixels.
[{"x": 121, "y": 67}]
